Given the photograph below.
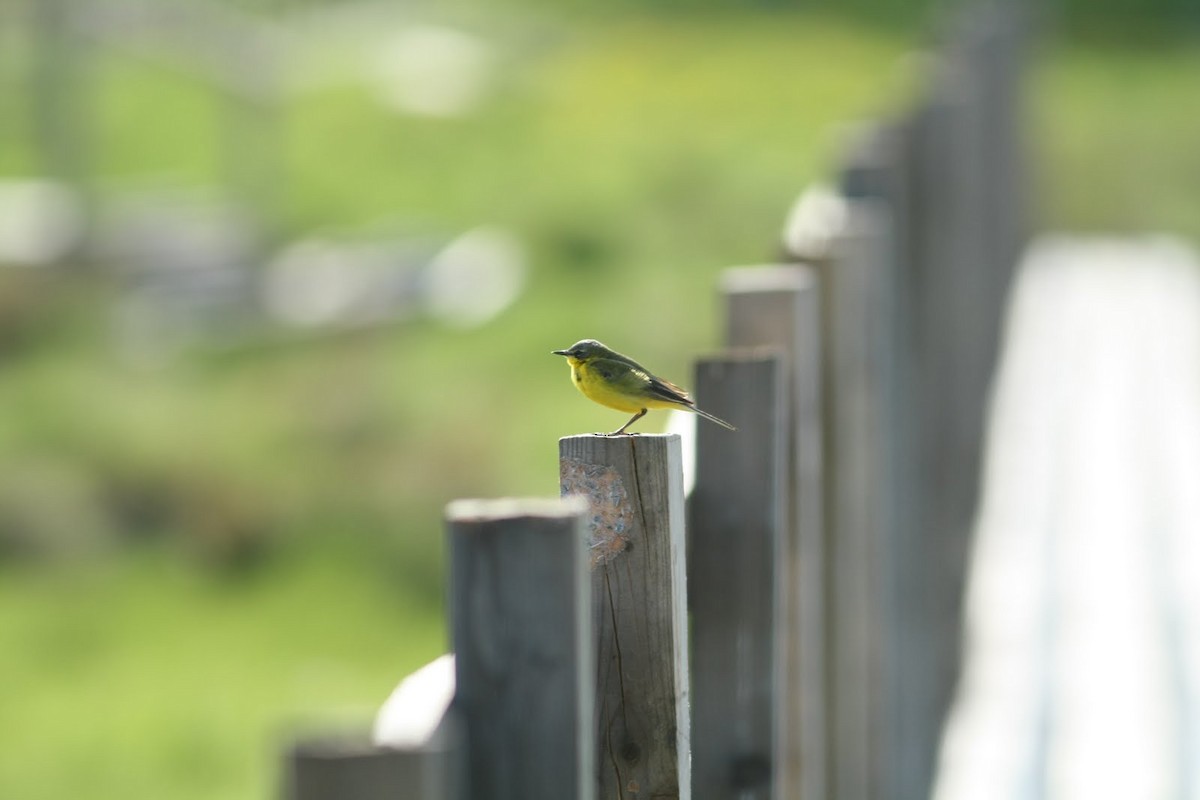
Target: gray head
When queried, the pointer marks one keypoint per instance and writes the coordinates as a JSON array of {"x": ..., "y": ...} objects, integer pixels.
[{"x": 583, "y": 350}]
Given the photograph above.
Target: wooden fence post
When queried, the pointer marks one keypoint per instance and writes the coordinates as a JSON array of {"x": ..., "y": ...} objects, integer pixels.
[
  {"x": 736, "y": 523},
  {"x": 634, "y": 485},
  {"x": 777, "y": 306},
  {"x": 992, "y": 41},
  {"x": 855, "y": 287},
  {"x": 946, "y": 453},
  {"x": 521, "y": 632},
  {"x": 879, "y": 169},
  {"x": 331, "y": 768}
]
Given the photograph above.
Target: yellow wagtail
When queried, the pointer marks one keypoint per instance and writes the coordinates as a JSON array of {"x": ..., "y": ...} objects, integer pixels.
[{"x": 619, "y": 382}]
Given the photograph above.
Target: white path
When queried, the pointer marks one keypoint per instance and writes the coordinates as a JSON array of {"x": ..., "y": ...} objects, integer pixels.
[{"x": 1082, "y": 679}]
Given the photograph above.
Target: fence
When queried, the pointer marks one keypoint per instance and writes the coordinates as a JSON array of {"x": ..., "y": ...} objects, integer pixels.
[{"x": 791, "y": 629}]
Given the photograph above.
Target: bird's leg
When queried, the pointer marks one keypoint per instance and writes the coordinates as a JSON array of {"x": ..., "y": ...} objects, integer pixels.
[{"x": 632, "y": 420}]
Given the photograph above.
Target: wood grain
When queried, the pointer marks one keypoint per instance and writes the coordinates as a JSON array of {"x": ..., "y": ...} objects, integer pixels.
[
  {"x": 520, "y": 628},
  {"x": 736, "y": 522},
  {"x": 639, "y": 610}
]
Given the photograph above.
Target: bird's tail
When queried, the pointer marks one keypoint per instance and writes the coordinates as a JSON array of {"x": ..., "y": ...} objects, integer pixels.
[{"x": 715, "y": 419}]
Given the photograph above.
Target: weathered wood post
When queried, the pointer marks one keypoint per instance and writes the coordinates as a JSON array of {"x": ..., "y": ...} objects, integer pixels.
[
  {"x": 332, "y": 768},
  {"x": 855, "y": 285},
  {"x": 737, "y": 518},
  {"x": 991, "y": 39},
  {"x": 946, "y": 421},
  {"x": 521, "y": 632},
  {"x": 878, "y": 170},
  {"x": 777, "y": 306},
  {"x": 634, "y": 485}
]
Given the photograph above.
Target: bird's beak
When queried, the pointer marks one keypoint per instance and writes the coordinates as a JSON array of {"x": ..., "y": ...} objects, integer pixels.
[{"x": 560, "y": 352}]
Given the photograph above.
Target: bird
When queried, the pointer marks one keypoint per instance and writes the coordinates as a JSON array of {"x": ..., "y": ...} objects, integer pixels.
[{"x": 611, "y": 379}]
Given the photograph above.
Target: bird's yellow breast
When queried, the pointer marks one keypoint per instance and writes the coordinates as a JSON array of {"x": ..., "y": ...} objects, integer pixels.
[
  {"x": 602, "y": 391},
  {"x": 613, "y": 394}
]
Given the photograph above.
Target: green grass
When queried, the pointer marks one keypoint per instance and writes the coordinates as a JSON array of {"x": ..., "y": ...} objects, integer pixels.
[
  {"x": 1114, "y": 152},
  {"x": 245, "y": 538},
  {"x": 142, "y": 678}
]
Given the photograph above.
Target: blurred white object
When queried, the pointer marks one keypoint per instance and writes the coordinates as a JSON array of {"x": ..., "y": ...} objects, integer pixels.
[
  {"x": 814, "y": 223},
  {"x": 310, "y": 283},
  {"x": 185, "y": 260},
  {"x": 412, "y": 713},
  {"x": 1082, "y": 672},
  {"x": 683, "y": 423},
  {"x": 434, "y": 71},
  {"x": 321, "y": 282},
  {"x": 40, "y": 221},
  {"x": 475, "y": 277}
]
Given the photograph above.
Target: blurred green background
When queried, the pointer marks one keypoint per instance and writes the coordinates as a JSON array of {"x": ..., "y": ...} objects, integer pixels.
[{"x": 219, "y": 526}]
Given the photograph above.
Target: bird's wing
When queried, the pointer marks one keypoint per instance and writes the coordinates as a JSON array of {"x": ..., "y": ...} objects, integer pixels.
[
  {"x": 668, "y": 391},
  {"x": 617, "y": 372},
  {"x": 636, "y": 379}
]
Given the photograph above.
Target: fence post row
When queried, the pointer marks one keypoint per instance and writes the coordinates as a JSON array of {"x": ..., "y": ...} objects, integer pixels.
[
  {"x": 948, "y": 176},
  {"x": 828, "y": 535}
]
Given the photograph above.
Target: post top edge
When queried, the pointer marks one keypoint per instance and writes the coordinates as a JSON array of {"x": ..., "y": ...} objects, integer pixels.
[
  {"x": 766, "y": 278},
  {"x": 746, "y": 354},
  {"x": 604, "y": 437},
  {"x": 514, "y": 507}
]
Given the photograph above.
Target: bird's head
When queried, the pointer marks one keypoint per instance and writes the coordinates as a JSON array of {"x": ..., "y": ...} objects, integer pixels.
[{"x": 583, "y": 351}]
